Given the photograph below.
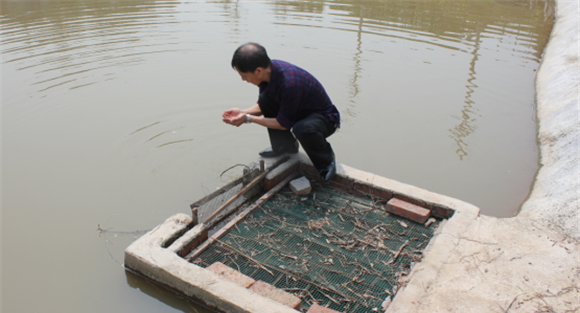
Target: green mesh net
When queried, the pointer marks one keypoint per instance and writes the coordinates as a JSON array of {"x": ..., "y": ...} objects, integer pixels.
[{"x": 332, "y": 248}]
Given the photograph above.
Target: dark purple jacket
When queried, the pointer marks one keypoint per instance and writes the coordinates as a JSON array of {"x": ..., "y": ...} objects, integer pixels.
[{"x": 298, "y": 93}]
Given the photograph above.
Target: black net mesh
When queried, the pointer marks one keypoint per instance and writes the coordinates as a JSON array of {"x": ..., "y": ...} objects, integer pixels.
[
  {"x": 330, "y": 247},
  {"x": 207, "y": 206}
]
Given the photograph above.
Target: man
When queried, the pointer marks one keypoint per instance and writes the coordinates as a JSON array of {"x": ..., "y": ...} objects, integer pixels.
[{"x": 292, "y": 104}]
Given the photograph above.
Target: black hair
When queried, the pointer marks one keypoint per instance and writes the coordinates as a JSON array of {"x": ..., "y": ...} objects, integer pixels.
[{"x": 249, "y": 56}]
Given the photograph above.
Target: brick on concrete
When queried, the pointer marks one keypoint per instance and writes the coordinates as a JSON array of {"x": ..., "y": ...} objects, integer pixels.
[
  {"x": 408, "y": 210},
  {"x": 442, "y": 212},
  {"x": 279, "y": 295},
  {"x": 410, "y": 200},
  {"x": 315, "y": 308},
  {"x": 301, "y": 186},
  {"x": 231, "y": 274}
]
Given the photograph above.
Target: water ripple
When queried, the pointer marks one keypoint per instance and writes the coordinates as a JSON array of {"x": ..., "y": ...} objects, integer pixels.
[{"x": 76, "y": 41}]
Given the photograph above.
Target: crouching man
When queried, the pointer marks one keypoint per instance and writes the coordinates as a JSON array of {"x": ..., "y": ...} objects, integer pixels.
[{"x": 292, "y": 105}]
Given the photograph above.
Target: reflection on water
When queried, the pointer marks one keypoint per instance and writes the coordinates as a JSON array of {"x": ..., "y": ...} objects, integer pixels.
[
  {"x": 357, "y": 69},
  {"x": 112, "y": 107},
  {"x": 454, "y": 25},
  {"x": 467, "y": 118}
]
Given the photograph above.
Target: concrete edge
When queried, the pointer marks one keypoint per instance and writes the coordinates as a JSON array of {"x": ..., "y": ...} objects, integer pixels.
[
  {"x": 147, "y": 257},
  {"x": 465, "y": 213},
  {"x": 396, "y": 187},
  {"x": 554, "y": 198},
  {"x": 193, "y": 237}
]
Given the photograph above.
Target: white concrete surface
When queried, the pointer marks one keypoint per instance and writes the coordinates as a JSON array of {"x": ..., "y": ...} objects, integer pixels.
[
  {"x": 554, "y": 198},
  {"x": 494, "y": 265}
]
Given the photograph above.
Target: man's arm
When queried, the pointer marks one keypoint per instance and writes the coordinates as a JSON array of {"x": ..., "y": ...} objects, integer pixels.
[
  {"x": 238, "y": 117},
  {"x": 253, "y": 110},
  {"x": 269, "y": 122}
]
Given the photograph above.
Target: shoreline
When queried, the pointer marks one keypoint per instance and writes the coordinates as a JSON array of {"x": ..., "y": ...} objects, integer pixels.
[
  {"x": 553, "y": 200},
  {"x": 529, "y": 262}
]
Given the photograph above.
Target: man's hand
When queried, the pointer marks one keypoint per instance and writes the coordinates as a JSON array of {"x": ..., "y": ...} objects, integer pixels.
[{"x": 234, "y": 117}]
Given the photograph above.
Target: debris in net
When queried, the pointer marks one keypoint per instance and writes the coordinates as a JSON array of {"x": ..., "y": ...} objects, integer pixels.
[
  {"x": 398, "y": 253},
  {"x": 334, "y": 244},
  {"x": 403, "y": 224}
]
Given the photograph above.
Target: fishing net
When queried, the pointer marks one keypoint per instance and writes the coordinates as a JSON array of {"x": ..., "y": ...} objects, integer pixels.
[
  {"x": 206, "y": 206},
  {"x": 332, "y": 248}
]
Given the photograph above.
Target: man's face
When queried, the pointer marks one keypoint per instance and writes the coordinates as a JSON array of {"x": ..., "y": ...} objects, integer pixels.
[{"x": 254, "y": 78}]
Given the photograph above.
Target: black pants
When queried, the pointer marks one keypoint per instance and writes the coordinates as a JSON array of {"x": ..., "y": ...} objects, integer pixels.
[{"x": 310, "y": 131}]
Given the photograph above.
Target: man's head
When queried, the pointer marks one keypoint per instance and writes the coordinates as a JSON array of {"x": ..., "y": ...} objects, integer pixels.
[
  {"x": 252, "y": 63},
  {"x": 249, "y": 56}
]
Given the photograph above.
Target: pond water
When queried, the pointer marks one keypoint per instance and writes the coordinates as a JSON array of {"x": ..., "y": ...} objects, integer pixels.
[{"x": 111, "y": 118}]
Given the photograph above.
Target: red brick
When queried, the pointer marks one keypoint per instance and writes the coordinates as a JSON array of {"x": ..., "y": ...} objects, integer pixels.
[
  {"x": 310, "y": 171},
  {"x": 442, "y": 212},
  {"x": 411, "y": 200},
  {"x": 339, "y": 186},
  {"x": 373, "y": 191},
  {"x": 348, "y": 183},
  {"x": 279, "y": 295},
  {"x": 362, "y": 187},
  {"x": 231, "y": 274},
  {"x": 408, "y": 210},
  {"x": 193, "y": 244},
  {"x": 349, "y": 191},
  {"x": 315, "y": 308}
]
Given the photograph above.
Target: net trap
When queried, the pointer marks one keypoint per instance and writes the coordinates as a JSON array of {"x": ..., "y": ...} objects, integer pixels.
[{"x": 270, "y": 242}]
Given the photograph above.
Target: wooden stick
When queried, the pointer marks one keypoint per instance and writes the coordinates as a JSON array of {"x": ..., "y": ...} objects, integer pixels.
[
  {"x": 398, "y": 253},
  {"x": 194, "y": 216},
  {"x": 249, "y": 258},
  {"x": 212, "y": 195},
  {"x": 248, "y": 186},
  {"x": 243, "y": 214}
]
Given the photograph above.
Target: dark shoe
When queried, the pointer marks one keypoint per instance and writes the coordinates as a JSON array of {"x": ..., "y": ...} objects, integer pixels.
[
  {"x": 328, "y": 173},
  {"x": 269, "y": 153}
]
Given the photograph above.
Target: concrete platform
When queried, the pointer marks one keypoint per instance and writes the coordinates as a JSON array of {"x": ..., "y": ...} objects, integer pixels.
[
  {"x": 474, "y": 264},
  {"x": 158, "y": 254}
]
